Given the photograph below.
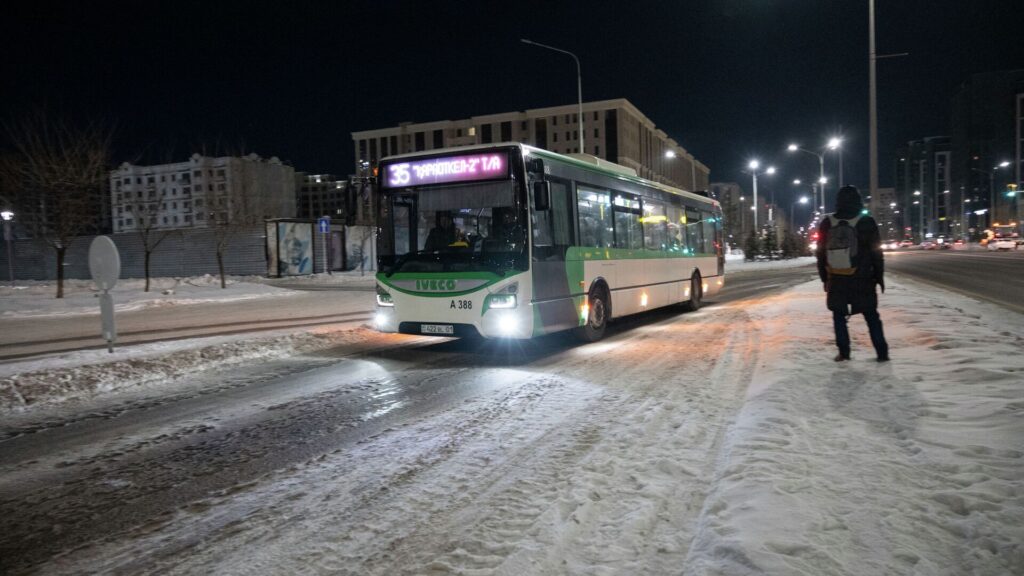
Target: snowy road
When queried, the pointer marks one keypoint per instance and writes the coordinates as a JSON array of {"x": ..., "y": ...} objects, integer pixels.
[{"x": 708, "y": 442}]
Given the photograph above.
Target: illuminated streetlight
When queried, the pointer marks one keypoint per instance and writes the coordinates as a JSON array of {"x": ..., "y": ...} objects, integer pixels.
[
  {"x": 670, "y": 153},
  {"x": 753, "y": 166},
  {"x": 836, "y": 144},
  {"x": 821, "y": 168}
]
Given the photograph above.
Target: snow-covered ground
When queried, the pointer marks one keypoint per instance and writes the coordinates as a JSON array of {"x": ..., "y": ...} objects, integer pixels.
[
  {"x": 741, "y": 265},
  {"x": 724, "y": 442},
  {"x": 34, "y": 298}
]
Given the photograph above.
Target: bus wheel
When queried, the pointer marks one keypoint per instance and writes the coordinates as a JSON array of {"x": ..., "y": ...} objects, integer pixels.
[
  {"x": 597, "y": 318},
  {"x": 696, "y": 294}
]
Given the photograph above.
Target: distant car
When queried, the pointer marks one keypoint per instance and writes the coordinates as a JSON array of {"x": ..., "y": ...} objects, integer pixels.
[
  {"x": 942, "y": 243},
  {"x": 928, "y": 244},
  {"x": 906, "y": 243},
  {"x": 890, "y": 245},
  {"x": 1002, "y": 244}
]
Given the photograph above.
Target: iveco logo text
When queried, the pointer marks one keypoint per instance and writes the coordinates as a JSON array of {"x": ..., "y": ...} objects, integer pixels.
[{"x": 434, "y": 285}]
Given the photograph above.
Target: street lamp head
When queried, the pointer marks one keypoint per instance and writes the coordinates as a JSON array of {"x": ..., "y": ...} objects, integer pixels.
[
  {"x": 754, "y": 164},
  {"x": 770, "y": 170},
  {"x": 793, "y": 148},
  {"x": 822, "y": 180},
  {"x": 796, "y": 182},
  {"x": 917, "y": 192},
  {"x": 7, "y": 215},
  {"x": 834, "y": 143},
  {"x": 1003, "y": 164},
  {"x": 670, "y": 154},
  {"x": 742, "y": 198},
  {"x": 804, "y": 200}
]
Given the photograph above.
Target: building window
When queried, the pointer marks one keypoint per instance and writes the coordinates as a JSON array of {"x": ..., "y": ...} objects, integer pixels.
[
  {"x": 165, "y": 219},
  {"x": 199, "y": 215},
  {"x": 554, "y": 120},
  {"x": 151, "y": 180},
  {"x": 596, "y": 115},
  {"x": 220, "y": 173},
  {"x": 220, "y": 186},
  {"x": 128, "y": 222},
  {"x": 597, "y": 150},
  {"x": 471, "y": 131},
  {"x": 198, "y": 173},
  {"x": 163, "y": 178},
  {"x": 554, "y": 136},
  {"x": 597, "y": 132}
]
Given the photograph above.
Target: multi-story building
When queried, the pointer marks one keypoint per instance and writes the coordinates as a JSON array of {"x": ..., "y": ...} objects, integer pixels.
[
  {"x": 888, "y": 215},
  {"x": 190, "y": 194},
  {"x": 987, "y": 131},
  {"x": 614, "y": 130},
  {"x": 923, "y": 191},
  {"x": 320, "y": 195},
  {"x": 737, "y": 217}
]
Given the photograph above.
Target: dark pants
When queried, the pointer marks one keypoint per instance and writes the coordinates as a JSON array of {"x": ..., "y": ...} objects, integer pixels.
[{"x": 874, "y": 328}]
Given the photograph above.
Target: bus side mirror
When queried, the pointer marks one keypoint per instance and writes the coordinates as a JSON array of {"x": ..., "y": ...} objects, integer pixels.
[{"x": 541, "y": 195}]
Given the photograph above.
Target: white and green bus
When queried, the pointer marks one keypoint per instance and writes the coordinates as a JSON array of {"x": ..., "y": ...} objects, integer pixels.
[{"x": 511, "y": 241}]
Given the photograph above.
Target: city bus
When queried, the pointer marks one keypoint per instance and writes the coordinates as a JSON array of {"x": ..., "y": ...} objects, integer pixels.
[{"x": 511, "y": 241}]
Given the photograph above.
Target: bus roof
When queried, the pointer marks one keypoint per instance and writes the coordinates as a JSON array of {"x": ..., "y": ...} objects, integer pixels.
[{"x": 614, "y": 171}]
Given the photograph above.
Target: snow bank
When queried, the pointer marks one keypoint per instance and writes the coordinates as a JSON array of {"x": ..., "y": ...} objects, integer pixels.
[
  {"x": 30, "y": 384},
  {"x": 31, "y": 298},
  {"x": 741, "y": 265}
]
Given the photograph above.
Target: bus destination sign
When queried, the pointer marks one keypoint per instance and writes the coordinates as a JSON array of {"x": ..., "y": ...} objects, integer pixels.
[{"x": 462, "y": 168}]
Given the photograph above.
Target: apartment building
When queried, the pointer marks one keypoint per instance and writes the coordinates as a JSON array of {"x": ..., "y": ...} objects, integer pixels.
[
  {"x": 320, "y": 195},
  {"x": 202, "y": 189},
  {"x": 613, "y": 130}
]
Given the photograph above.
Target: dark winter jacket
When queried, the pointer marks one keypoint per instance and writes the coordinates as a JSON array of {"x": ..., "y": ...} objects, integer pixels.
[{"x": 858, "y": 291}]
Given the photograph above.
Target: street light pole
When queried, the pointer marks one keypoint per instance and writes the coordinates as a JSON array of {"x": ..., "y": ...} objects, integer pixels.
[
  {"x": 7, "y": 216},
  {"x": 579, "y": 83},
  {"x": 821, "y": 172}
]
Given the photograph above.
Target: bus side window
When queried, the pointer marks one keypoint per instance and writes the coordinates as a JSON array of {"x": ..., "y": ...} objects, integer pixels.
[
  {"x": 595, "y": 213},
  {"x": 676, "y": 228},
  {"x": 628, "y": 228},
  {"x": 710, "y": 225},
  {"x": 694, "y": 231},
  {"x": 655, "y": 225}
]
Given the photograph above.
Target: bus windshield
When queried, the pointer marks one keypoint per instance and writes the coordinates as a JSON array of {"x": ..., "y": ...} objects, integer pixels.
[{"x": 453, "y": 228}]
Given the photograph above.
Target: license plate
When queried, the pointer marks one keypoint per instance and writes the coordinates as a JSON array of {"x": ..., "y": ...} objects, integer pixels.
[{"x": 437, "y": 329}]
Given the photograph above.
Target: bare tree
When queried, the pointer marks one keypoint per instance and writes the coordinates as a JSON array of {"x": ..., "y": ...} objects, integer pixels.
[
  {"x": 243, "y": 205},
  {"x": 59, "y": 172},
  {"x": 151, "y": 235}
]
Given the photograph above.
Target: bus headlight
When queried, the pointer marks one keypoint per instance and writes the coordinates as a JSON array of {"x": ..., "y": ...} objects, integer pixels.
[
  {"x": 501, "y": 301},
  {"x": 384, "y": 297}
]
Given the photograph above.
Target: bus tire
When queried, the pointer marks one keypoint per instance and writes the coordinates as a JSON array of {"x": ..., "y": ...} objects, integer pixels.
[
  {"x": 597, "y": 319},
  {"x": 696, "y": 294}
]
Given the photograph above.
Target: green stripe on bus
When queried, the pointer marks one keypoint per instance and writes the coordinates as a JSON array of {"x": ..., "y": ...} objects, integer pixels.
[
  {"x": 490, "y": 277},
  {"x": 592, "y": 253}
]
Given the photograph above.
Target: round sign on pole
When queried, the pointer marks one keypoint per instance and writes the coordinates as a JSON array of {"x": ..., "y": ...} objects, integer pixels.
[{"x": 104, "y": 262}]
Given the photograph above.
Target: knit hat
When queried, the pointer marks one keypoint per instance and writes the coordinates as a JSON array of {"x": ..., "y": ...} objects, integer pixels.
[{"x": 848, "y": 202}]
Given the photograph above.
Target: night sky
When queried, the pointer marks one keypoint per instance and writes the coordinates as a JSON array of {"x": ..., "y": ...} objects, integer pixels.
[{"x": 728, "y": 79}]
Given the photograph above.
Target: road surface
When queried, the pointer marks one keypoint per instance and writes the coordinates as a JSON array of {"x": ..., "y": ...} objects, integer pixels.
[{"x": 124, "y": 470}]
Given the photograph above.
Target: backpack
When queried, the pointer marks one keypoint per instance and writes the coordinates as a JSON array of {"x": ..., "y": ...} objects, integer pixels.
[{"x": 841, "y": 248}]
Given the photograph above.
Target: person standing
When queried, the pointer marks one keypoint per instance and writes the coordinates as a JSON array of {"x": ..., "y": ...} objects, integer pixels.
[{"x": 850, "y": 264}]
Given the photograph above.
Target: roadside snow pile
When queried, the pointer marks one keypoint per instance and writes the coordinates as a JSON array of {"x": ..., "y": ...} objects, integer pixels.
[
  {"x": 38, "y": 385},
  {"x": 741, "y": 265},
  {"x": 909, "y": 467},
  {"x": 31, "y": 298}
]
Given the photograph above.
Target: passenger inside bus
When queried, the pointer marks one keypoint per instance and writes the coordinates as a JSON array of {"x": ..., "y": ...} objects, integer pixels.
[{"x": 442, "y": 234}]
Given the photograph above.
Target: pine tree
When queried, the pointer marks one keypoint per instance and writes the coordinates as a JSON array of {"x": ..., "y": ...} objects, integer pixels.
[{"x": 751, "y": 247}]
